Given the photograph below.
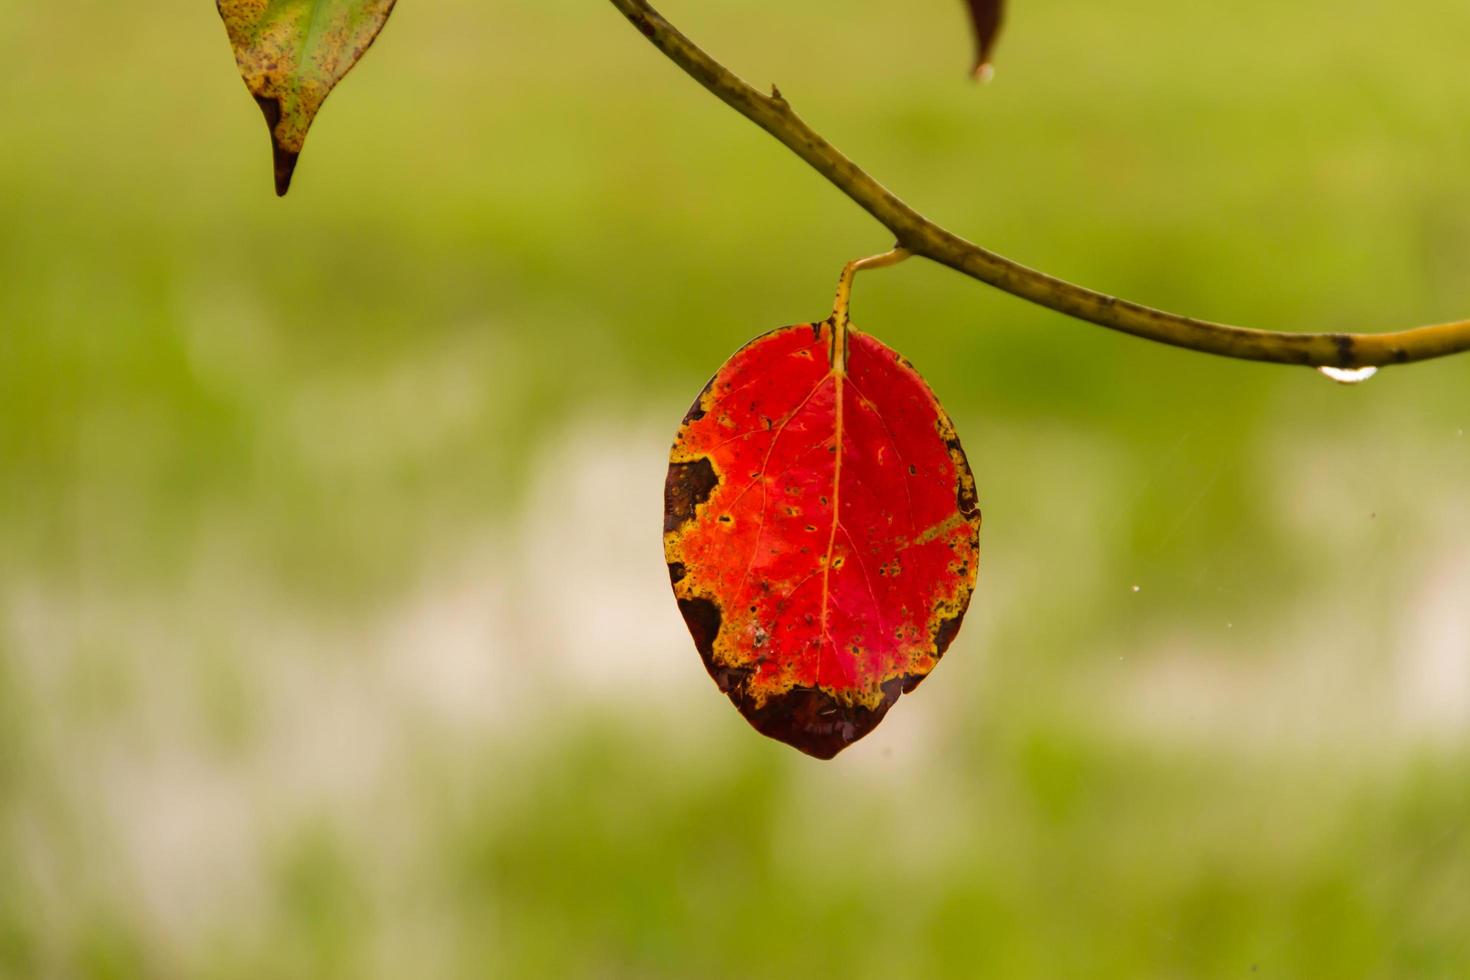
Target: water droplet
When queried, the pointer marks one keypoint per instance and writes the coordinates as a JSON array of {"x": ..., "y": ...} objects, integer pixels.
[
  {"x": 1348, "y": 376},
  {"x": 1135, "y": 588}
]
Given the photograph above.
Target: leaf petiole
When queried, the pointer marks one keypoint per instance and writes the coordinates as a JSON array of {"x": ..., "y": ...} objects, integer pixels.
[{"x": 840, "y": 319}]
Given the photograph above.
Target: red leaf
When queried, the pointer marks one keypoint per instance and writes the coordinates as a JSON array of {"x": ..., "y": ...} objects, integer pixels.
[
  {"x": 985, "y": 16},
  {"x": 822, "y": 533}
]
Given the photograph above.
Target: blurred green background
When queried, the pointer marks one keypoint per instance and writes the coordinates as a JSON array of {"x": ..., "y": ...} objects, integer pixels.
[{"x": 335, "y": 637}]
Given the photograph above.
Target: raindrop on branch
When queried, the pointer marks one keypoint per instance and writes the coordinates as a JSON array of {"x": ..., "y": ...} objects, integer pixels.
[{"x": 1348, "y": 376}]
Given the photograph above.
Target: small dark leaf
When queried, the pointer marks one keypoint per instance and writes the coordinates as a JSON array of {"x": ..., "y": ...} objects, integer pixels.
[{"x": 986, "y": 16}]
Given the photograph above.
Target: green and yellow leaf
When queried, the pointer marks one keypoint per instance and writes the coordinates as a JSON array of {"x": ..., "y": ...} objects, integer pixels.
[{"x": 292, "y": 53}]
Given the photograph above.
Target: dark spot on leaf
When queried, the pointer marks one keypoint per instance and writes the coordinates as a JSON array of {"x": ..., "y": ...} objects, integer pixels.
[
  {"x": 272, "y": 109},
  {"x": 688, "y": 485},
  {"x": 947, "y": 629},
  {"x": 284, "y": 159},
  {"x": 810, "y": 719},
  {"x": 702, "y": 616},
  {"x": 696, "y": 411},
  {"x": 677, "y": 571},
  {"x": 285, "y": 167},
  {"x": 965, "y": 499}
]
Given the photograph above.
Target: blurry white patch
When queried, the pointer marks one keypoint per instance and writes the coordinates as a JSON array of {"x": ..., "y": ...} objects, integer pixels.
[
  {"x": 1373, "y": 652},
  {"x": 188, "y": 837},
  {"x": 1433, "y": 664},
  {"x": 593, "y": 599},
  {"x": 451, "y": 650}
]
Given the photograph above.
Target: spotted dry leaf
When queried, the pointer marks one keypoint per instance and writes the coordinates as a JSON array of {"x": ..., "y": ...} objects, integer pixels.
[
  {"x": 821, "y": 531},
  {"x": 291, "y": 54}
]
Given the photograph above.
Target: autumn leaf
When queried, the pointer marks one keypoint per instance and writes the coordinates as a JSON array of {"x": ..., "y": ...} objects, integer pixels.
[
  {"x": 291, "y": 54},
  {"x": 985, "y": 18},
  {"x": 821, "y": 532}
]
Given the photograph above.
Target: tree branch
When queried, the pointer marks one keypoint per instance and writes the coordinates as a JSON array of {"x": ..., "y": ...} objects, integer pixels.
[{"x": 921, "y": 236}]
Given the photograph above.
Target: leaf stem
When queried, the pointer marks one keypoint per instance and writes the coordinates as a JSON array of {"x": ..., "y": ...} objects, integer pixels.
[
  {"x": 918, "y": 235},
  {"x": 840, "y": 319}
]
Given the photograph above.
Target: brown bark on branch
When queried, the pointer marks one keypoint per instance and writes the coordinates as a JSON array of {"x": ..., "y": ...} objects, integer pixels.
[{"x": 919, "y": 235}]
